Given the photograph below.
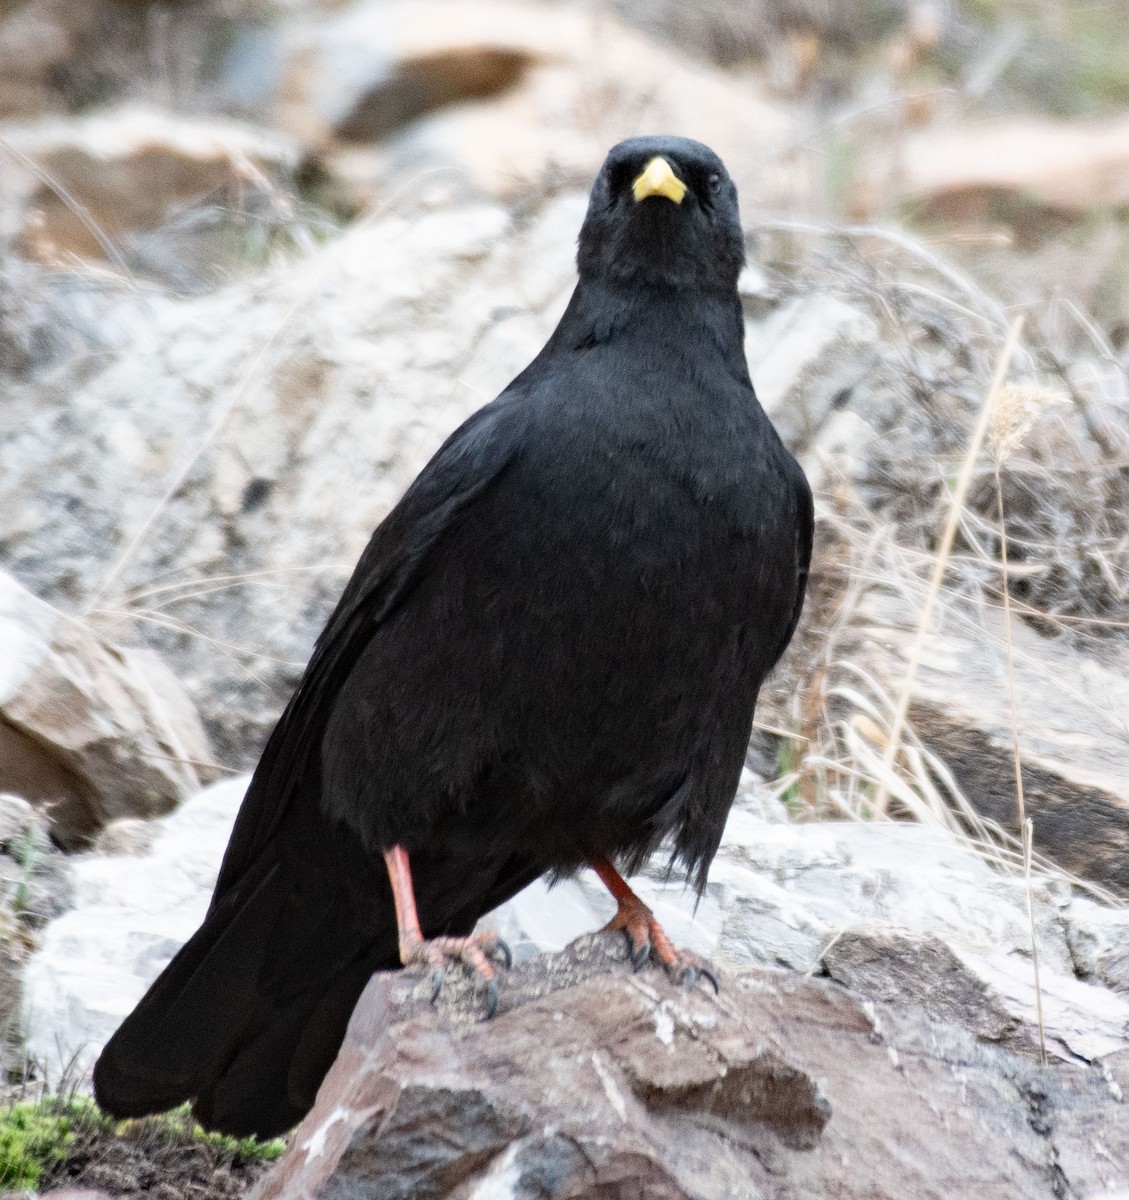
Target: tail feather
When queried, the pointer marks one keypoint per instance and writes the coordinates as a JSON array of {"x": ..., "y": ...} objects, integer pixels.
[
  {"x": 247, "y": 1019},
  {"x": 194, "y": 1014},
  {"x": 272, "y": 1081},
  {"x": 221, "y": 1025}
]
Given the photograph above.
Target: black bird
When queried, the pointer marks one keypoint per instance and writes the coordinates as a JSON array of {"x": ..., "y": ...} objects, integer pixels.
[{"x": 547, "y": 657}]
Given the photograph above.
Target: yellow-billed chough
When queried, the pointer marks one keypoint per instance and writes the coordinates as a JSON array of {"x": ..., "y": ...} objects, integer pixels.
[{"x": 548, "y": 656}]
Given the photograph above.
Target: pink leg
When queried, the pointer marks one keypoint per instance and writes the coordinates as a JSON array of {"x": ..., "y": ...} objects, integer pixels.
[{"x": 475, "y": 950}]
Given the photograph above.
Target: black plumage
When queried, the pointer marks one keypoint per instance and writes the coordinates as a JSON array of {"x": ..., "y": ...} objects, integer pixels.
[{"x": 548, "y": 655}]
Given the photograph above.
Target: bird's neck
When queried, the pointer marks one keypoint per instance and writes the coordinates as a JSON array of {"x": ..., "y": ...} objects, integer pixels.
[{"x": 666, "y": 320}]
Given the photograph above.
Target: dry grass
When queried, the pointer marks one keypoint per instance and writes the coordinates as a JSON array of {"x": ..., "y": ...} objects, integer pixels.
[
  {"x": 1010, "y": 417},
  {"x": 944, "y": 551},
  {"x": 916, "y": 513},
  {"x": 1066, "y": 487}
]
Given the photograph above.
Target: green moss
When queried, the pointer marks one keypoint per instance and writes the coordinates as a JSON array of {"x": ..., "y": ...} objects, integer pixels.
[
  {"x": 36, "y": 1136},
  {"x": 177, "y": 1128}
]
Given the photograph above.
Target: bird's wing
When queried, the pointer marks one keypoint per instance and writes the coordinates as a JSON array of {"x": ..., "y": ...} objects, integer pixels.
[
  {"x": 465, "y": 466},
  {"x": 805, "y": 531}
]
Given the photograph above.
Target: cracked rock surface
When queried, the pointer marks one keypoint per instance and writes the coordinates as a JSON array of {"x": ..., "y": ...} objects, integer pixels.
[{"x": 596, "y": 1082}]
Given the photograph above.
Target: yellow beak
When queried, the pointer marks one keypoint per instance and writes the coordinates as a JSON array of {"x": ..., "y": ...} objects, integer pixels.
[{"x": 659, "y": 180}]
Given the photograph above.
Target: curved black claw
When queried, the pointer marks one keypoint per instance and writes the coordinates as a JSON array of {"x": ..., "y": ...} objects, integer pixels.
[
  {"x": 688, "y": 976},
  {"x": 639, "y": 958},
  {"x": 436, "y": 984},
  {"x": 507, "y": 954},
  {"x": 491, "y": 999}
]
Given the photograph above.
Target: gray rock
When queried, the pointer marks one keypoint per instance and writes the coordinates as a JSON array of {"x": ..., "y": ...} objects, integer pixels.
[
  {"x": 806, "y": 358},
  {"x": 593, "y": 1081},
  {"x": 80, "y": 188},
  {"x": 893, "y": 967},
  {"x": 1098, "y": 938},
  {"x": 89, "y": 732},
  {"x": 127, "y": 836},
  {"x": 293, "y": 413},
  {"x": 37, "y": 881},
  {"x": 131, "y": 915},
  {"x": 16, "y": 817},
  {"x": 788, "y": 893}
]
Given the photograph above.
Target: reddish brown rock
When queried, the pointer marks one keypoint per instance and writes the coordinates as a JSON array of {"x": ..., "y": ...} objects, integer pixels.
[
  {"x": 89, "y": 732},
  {"x": 76, "y": 187},
  {"x": 594, "y": 1082}
]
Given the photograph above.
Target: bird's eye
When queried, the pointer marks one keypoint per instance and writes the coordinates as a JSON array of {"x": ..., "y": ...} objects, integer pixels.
[{"x": 714, "y": 182}]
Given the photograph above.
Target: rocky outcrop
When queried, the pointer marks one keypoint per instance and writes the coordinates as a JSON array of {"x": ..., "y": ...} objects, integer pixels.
[
  {"x": 593, "y": 1081},
  {"x": 237, "y": 450},
  {"x": 976, "y": 173},
  {"x": 900, "y": 912},
  {"x": 85, "y": 188},
  {"x": 89, "y": 732}
]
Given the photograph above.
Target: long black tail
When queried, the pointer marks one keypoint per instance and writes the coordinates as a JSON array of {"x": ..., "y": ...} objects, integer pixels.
[{"x": 248, "y": 1017}]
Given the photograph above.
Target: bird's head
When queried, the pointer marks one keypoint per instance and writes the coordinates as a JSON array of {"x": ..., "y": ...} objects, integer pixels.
[{"x": 663, "y": 211}]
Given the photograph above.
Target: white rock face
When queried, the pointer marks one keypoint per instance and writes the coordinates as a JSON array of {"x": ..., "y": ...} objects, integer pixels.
[
  {"x": 780, "y": 894},
  {"x": 805, "y": 359},
  {"x": 132, "y": 913},
  {"x": 294, "y": 411}
]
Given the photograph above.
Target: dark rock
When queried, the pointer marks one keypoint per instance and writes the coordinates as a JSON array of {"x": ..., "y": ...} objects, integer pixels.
[{"x": 420, "y": 85}]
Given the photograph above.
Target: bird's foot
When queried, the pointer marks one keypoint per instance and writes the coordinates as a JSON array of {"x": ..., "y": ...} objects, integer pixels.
[
  {"x": 649, "y": 941},
  {"x": 478, "y": 952}
]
